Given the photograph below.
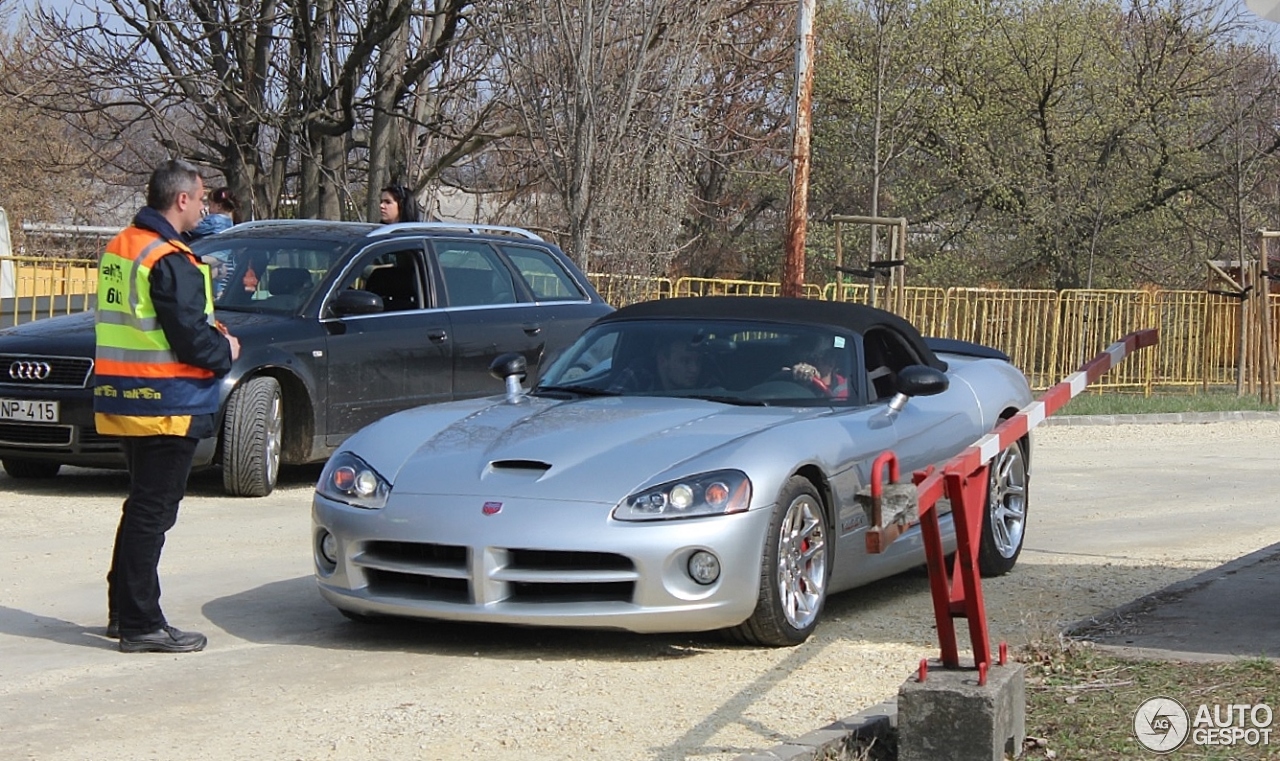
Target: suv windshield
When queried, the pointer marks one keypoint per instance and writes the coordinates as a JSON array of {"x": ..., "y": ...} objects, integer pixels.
[
  {"x": 737, "y": 362},
  {"x": 265, "y": 275}
]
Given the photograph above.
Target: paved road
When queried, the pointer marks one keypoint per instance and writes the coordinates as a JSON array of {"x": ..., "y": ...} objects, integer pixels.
[{"x": 1118, "y": 512}]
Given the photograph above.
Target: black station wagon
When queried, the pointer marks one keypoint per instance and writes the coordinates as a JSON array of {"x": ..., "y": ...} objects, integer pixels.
[{"x": 340, "y": 323}]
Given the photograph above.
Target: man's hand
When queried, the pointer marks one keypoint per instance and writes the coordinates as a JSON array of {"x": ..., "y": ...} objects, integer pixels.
[
  {"x": 235, "y": 346},
  {"x": 803, "y": 371}
]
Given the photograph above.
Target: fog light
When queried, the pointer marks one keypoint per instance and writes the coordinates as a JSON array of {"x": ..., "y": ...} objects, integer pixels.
[
  {"x": 329, "y": 548},
  {"x": 704, "y": 567}
]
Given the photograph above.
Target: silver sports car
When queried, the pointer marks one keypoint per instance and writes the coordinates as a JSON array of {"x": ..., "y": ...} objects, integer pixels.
[{"x": 685, "y": 465}]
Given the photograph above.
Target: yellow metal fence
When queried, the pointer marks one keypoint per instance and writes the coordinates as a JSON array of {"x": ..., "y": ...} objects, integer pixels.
[{"x": 1047, "y": 333}]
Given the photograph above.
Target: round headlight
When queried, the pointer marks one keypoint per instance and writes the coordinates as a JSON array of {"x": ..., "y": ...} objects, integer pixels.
[
  {"x": 682, "y": 496},
  {"x": 329, "y": 548},
  {"x": 717, "y": 494},
  {"x": 704, "y": 567},
  {"x": 344, "y": 478},
  {"x": 366, "y": 483}
]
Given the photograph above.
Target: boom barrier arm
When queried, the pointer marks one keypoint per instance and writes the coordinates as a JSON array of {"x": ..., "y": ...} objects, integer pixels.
[{"x": 963, "y": 480}]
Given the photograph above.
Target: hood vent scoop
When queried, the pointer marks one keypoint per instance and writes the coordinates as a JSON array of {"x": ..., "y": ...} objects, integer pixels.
[{"x": 523, "y": 465}]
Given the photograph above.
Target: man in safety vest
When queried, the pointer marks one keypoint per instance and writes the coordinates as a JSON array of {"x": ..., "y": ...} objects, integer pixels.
[{"x": 160, "y": 354}]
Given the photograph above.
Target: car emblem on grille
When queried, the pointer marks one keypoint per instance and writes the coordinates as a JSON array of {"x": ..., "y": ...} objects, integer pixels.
[
  {"x": 25, "y": 369},
  {"x": 491, "y": 508}
]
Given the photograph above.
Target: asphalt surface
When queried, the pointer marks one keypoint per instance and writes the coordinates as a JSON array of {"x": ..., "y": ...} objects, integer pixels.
[{"x": 1227, "y": 612}]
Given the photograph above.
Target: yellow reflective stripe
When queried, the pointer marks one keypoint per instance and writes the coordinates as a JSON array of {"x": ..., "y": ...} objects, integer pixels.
[
  {"x": 147, "y": 356},
  {"x": 129, "y": 320},
  {"x": 141, "y": 425},
  {"x": 133, "y": 274}
]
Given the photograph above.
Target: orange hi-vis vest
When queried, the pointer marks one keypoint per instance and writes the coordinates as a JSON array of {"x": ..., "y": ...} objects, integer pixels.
[{"x": 141, "y": 387}]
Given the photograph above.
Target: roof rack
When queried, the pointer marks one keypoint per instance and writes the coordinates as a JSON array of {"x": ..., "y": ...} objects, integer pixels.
[
  {"x": 279, "y": 222},
  {"x": 464, "y": 226}
]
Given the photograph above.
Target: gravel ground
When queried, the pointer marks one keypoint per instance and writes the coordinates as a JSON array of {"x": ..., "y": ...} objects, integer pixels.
[{"x": 1117, "y": 512}]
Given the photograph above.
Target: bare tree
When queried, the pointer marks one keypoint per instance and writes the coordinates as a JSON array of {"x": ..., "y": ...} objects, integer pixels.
[
  {"x": 40, "y": 162},
  {"x": 285, "y": 98},
  {"x": 601, "y": 88}
]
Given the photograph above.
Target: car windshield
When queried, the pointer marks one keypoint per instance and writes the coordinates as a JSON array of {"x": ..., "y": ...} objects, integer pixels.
[
  {"x": 265, "y": 275},
  {"x": 732, "y": 361}
]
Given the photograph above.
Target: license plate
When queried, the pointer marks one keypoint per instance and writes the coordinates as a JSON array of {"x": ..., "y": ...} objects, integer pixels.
[{"x": 29, "y": 410}]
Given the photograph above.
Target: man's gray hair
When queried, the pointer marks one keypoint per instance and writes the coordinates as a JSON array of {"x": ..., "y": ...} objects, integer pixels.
[{"x": 168, "y": 180}]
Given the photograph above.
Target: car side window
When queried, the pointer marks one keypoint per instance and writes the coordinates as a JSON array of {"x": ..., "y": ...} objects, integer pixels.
[
  {"x": 884, "y": 354},
  {"x": 474, "y": 275},
  {"x": 546, "y": 277},
  {"x": 393, "y": 276}
]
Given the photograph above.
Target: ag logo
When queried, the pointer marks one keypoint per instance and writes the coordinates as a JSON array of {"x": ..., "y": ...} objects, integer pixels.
[{"x": 1161, "y": 724}]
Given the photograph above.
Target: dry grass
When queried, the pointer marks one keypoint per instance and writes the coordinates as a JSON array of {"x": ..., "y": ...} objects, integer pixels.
[{"x": 1081, "y": 701}]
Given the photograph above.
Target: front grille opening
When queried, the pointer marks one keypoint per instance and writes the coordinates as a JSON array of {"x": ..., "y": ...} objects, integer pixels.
[
  {"x": 414, "y": 587},
  {"x": 417, "y": 552},
  {"x": 92, "y": 441},
  {"x": 559, "y": 560},
  {"x": 543, "y": 592},
  {"x": 35, "y": 435}
]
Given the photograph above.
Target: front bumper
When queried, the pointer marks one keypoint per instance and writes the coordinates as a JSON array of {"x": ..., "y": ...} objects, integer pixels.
[{"x": 536, "y": 562}]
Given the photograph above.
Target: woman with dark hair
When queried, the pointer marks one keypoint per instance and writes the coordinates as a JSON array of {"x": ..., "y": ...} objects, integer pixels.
[
  {"x": 222, "y": 204},
  {"x": 397, "y": 205}
]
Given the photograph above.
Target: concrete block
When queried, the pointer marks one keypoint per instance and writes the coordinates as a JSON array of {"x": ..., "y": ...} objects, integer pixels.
[{"x": 948, "y": 716}]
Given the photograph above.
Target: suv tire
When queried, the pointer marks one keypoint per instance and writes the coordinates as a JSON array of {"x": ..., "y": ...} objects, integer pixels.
[{"x": 252, "y": 438}]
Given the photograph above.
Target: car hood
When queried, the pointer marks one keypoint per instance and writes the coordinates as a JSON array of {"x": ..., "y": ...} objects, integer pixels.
[
  {"x": 66, "y": 335},
  {"x": 596, "y": 450},
  {"x": 72, "y": 334}
]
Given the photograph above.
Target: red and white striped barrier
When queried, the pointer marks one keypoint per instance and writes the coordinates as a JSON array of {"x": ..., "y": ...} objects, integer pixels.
[
  {"x": 985, "y": 449},
  {"x": 963, "y": 479}
]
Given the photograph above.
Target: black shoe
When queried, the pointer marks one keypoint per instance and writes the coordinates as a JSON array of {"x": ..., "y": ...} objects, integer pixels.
[
  {"x": 165, "y": 640},
  {"x": 113, "y": 627}
]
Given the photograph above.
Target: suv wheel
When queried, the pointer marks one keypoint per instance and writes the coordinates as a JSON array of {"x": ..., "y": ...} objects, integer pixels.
[{"x": 252, "y": 436}]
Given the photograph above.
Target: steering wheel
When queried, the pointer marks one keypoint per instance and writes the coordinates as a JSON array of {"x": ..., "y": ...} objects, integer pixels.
[{"x": 783, "y": 387}]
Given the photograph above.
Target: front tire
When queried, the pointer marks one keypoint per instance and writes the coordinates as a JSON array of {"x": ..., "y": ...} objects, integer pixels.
[
  {"x": 252, "y": 437},
  {"x": 1004, "y": 522},
  {"x": 19, "y": 468},
  {"x": 793, "y": 572}
]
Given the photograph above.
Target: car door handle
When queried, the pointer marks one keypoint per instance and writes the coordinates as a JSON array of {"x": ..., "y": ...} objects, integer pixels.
[
  {"x": 437, "y": 336},
  {"x": 532, "y": 328}
]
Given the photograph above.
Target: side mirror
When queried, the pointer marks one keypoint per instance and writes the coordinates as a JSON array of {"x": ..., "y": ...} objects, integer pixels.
[
  {"x": 351, "y": 301},
  {"x": 917, "y": 380},
  {"x": 513, "y": 368}
]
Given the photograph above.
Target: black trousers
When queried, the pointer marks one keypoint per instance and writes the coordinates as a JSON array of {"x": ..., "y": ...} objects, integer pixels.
[{"x": 158, "y": 470}]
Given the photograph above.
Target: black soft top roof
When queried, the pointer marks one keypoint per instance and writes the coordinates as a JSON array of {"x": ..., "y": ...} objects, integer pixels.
[{"x": 855, "y": 318}]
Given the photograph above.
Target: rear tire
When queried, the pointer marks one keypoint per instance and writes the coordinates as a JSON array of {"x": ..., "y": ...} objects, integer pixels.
[
  {"x": 252, "y": 438},
  {"x": 793, "y": 572},
  {"x": 18, "y": 468},
  {"x": 1004, "y": 519}
]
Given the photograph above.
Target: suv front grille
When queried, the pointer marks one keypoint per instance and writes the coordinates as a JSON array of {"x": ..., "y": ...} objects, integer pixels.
[
  {"x": 57, "y": 438},
  {"x": 24, "y": 434},
  {"x": 39, "y": 371}
]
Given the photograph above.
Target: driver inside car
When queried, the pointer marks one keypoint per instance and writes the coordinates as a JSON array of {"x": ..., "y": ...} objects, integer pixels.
[{"x": 821, "y": 372}]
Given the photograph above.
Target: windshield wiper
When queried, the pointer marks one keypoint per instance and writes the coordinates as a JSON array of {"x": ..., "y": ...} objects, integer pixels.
[
  {"x": 736, "y": 400},
  {"x": 579, "y": 390}
]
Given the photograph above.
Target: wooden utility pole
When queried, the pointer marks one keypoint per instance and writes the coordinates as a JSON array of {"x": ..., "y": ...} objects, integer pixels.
[{"x": 801, "y": 121}]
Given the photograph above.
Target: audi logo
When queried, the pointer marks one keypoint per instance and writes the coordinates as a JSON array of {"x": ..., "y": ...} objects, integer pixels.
[{"x": 25, "y": 369}]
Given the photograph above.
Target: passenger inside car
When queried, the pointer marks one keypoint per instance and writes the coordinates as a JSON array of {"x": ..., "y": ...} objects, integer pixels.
[{"x": 677, "y": 364}]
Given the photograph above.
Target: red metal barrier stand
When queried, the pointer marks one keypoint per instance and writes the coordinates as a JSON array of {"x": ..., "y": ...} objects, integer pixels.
[{"x": 963, "y": 479}]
